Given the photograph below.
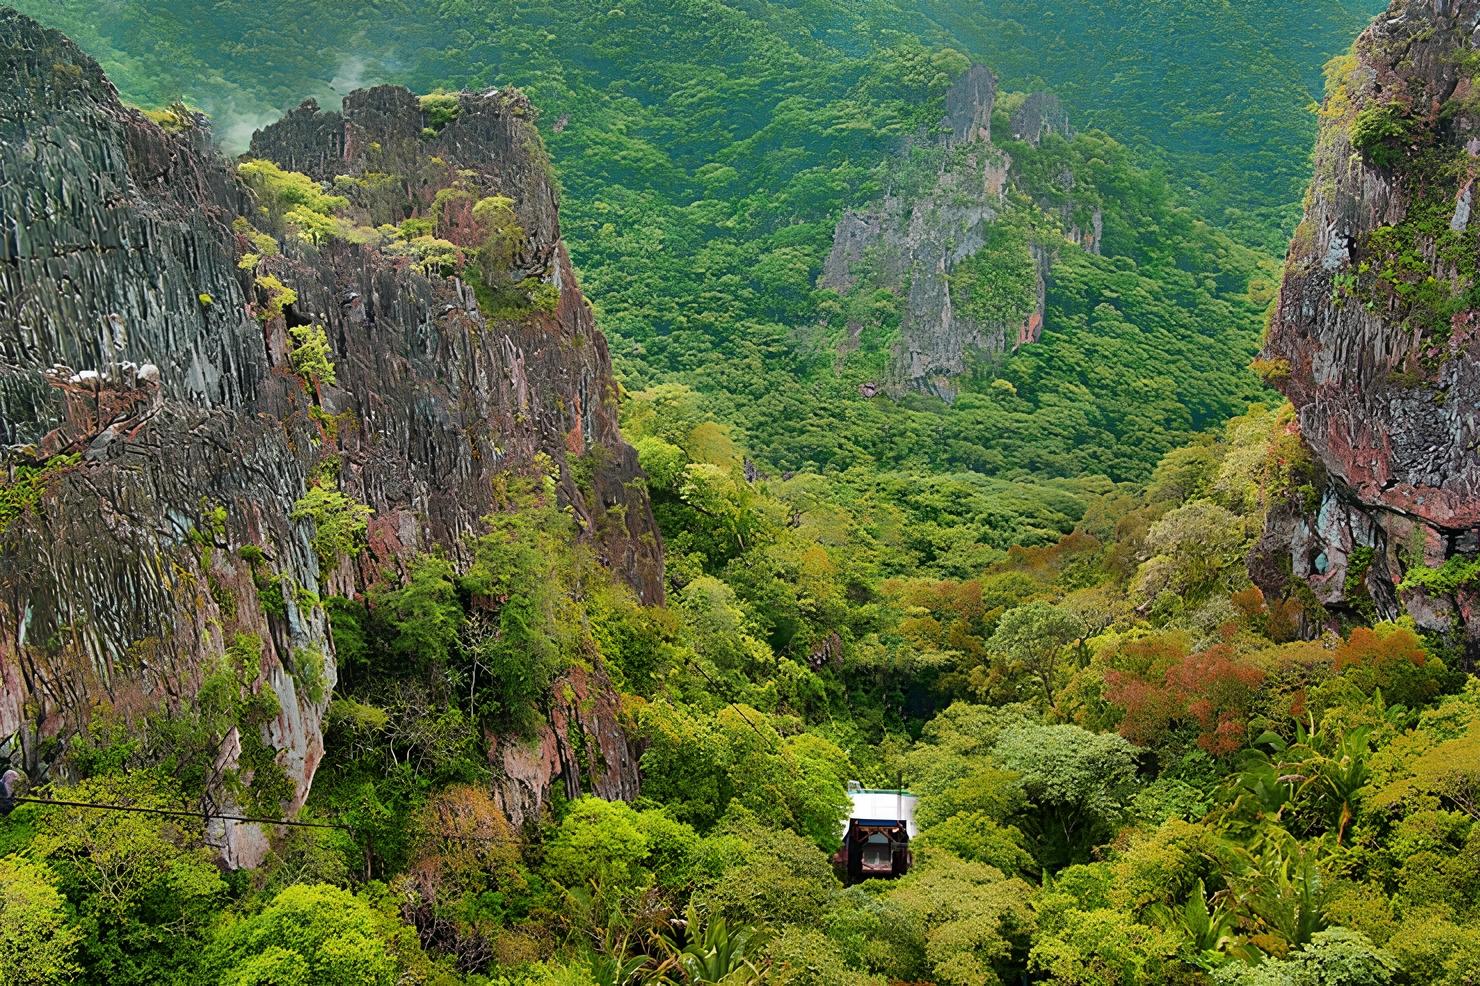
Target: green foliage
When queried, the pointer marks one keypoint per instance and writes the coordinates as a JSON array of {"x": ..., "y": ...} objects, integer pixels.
[
  {"x": 308, "y": 673},
  {"x": 339, "y": 523},
  {"x": 1456, "y": 573},
  {"x": 1077, "y": 784},
  {"x": 998, "y": 285},
  {"x": 1338, "y": 957},
  {"x": 294, "y": 198},
  {"x": 142, "y": 887},
  {"x": 422, "y": 614},
  {"x": 521, "y": 568},
  {"x": 176, "y": 118},
  {"x": 599, "y": 844},
  {"x": 974, "y": 598},
  {"x": 704, "y": 763},
  {"x": 38, "y": 945},
  {"x": 27, "y": 484},
  {"x": 307, "y": 934},
  {"x": 278, "y": 296},
  {"x": 311, "y": 357},
  {"x": 806, "y": 957},
  {"x": 974, "y": 924},
  {"x": 1381, "y": 133},
  {"x": 439, "y": 108},
  {"x": 1099, "y": 947},
  {"x": 773, "y": 876},
  {"x": 1031, "y": 638}
]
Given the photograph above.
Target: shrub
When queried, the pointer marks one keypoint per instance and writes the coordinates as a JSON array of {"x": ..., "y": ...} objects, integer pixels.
[
  {"x": 439, "y": 108},
  {"x": 340, "y": 523},
  {"x": 38, "y": 946},
  {"x": 1381, "y": 133},
  {"x": 27, "y": 485},
  {"x": 308, "y": 934},
  {"x": 311, "y": 355}
]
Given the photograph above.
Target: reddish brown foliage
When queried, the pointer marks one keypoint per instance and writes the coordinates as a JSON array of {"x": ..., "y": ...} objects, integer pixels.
[
  {"x": 1213, "y": 689},
  {"x": 1393, "y": 659},
  {"x": 1048, "y": 560}
]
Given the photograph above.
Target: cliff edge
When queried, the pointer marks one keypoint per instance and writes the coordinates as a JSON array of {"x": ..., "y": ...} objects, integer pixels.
[
  {"x": 1376, "y": 333},
  {"x": 189, "y": 349}
]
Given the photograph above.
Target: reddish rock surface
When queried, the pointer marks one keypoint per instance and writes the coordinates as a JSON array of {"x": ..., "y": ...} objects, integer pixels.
[{"x": 1389, "y": 402}]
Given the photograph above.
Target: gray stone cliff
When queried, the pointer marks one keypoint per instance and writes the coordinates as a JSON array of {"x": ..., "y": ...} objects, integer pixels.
[{"x": 158, "y": 435}]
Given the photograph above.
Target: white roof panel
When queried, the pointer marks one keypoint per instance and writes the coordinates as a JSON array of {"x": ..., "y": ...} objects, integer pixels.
[{"x": 888, "y": 806}]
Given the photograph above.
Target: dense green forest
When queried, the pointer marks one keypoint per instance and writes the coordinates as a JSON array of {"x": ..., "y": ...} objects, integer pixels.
[
  {"x": 660, "y": 88},
  {"x": 1130, "y": 769},
  {"x": 1030, "y": 605}
]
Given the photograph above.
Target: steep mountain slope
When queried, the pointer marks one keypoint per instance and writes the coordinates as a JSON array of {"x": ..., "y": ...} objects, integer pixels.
[
  {"x": 1374, "y": 339},
  {"x": 969, "y": 277},
  {"x": 705, "y": 174},
  {"x": 227, "y": 398},
  {"x": 1221, "y": 89}
]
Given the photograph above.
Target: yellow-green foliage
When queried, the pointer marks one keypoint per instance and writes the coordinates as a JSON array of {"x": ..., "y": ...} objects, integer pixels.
[
  {"x": 502, "y": 236},
  {"x": 173, "y": 119},
  {"x": 38, "y": 945},
  {"x": 26, "y": 485},
  {"x": 279, "y": 296},
  {"x": 1271, "y": 371},
  {"x": 282, "y": 190},
  {"x": 1342, "y": 74},
  {"x": 431, "y": 254},
  {"x": 261, "y": 243},
  {"x": 340, "y": 522},
  {"x": 311, "y": 357},
  {"x": 439, "y": 108},
  {"x": 308, "y": 670},
  {"x": 296, "y": 199}
]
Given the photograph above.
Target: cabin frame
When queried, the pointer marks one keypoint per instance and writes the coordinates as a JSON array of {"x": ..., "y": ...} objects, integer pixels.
[{"x": 876, "y": 834}]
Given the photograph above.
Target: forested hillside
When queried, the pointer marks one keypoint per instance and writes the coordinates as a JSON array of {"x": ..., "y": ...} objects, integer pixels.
[
  {"x": 1220, "y": 89},
  {"x": 345, "y": 641},
  {"x": 707, "y": 149},
  {"x": 1131, "y": 769}
]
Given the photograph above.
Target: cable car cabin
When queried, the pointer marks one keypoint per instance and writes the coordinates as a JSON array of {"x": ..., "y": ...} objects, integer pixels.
[{"x": 877, "y": 834}]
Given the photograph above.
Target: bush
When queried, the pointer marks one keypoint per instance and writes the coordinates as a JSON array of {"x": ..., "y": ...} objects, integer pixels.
[
  {"x": 1381, "y": 133},
  {"x": 340, "y": 523},
  {"x": 311, "y": 357},
  {"x": 308, "y": 934},
  {"x": 439, "y": 108},
  {"x": 38, "y": 946}
]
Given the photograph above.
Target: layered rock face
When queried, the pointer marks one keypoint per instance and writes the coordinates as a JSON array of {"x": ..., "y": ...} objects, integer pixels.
[
  {"x": 1376, "y": 336},
  {"x": 1038, "y": 114},
  {"x": 970, "y": 274},
  {"x": 159, "y": 436}
]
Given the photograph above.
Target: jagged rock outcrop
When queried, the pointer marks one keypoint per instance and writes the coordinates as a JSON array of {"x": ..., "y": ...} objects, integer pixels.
[
  {"x": 970, "y": 270},
  {"x": 1376, "y": 336},
  {"x": 160, "y": 437},
  {"x": 969, "y": 104},
  {"x": 1037, "y": 115}
]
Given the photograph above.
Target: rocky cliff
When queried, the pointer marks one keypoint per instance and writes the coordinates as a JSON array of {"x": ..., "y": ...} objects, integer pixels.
[
  {"x": 1377, "y": 331},
  {"x": 957, "y": 241},
  {"x": 185, "y": 354}
]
